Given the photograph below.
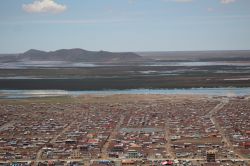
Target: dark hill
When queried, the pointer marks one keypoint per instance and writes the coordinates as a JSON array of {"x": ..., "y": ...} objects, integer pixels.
[{"x": 74, "y": 55}]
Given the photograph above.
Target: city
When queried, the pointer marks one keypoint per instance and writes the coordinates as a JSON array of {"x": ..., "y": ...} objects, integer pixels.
[
  {"x": 126, "y": 130},
  {"x": 125, "y": 83}
]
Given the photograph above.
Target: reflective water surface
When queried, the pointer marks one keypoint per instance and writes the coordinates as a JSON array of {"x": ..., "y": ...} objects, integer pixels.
[{"x": 50, "y": 93}]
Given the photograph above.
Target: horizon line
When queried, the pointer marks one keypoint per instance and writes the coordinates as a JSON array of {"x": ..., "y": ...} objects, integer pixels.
[{"x": 143, "y": 51}]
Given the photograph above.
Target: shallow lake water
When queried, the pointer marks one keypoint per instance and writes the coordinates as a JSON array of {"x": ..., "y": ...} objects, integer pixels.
[{"x": 15, "y": 94}]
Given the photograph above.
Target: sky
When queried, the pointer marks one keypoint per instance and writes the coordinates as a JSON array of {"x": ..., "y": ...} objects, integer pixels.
[{"x": 124, "y": 25}]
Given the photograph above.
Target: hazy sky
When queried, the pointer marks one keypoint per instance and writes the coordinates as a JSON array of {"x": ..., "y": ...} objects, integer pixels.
[{"x": 124, "y": 25}]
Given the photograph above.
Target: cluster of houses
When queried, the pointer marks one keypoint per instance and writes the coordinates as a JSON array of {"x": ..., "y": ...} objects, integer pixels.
[
  {"x": 142, "y": 133},
  {"x": 134, "y": 132},
  {"x": 29, "y": 127},
  {"x": 192, "y": 131},
  {"x": 234, "y": 119},
  {"x": 85, "y": 136}
]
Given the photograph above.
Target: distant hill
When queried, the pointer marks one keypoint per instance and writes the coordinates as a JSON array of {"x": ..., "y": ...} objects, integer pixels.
[
  {"x": 81, "y": 56},
  {"x": 73, "y": 55}
]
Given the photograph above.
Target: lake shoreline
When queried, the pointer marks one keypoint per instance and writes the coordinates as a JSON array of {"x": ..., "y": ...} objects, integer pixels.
[{"x": 16, "y": 94}]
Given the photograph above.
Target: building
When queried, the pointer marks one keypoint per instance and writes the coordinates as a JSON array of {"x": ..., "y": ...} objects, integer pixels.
[
  {"x": 210, "y": 156},
  {"x": 133, "y": 154}
]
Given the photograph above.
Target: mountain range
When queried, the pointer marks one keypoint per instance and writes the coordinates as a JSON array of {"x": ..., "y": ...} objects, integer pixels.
[
  {"x": 77, "y": 55},
  {"x": 73, "y": 55}
]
